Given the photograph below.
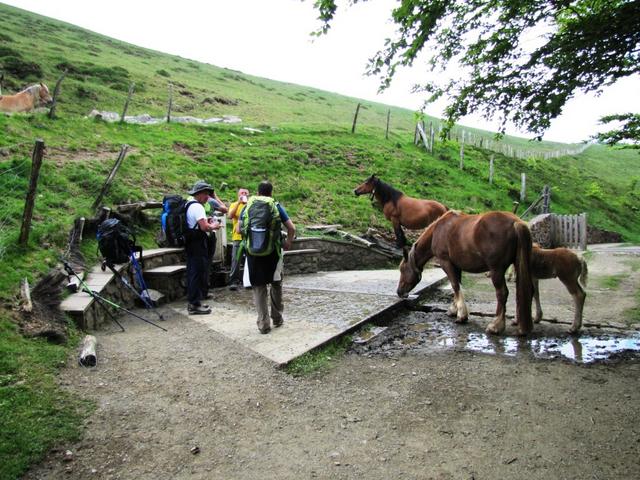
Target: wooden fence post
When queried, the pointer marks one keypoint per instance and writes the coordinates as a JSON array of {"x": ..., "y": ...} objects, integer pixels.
[
  {"x": 462, "y": 152},
  {"x": 170, "y": 103},
  {"x": 107, "y": 183},
  {"x": 583, "y": 231},
  {"x": 56, "y": 92},
  {"x": 432, "y": 137},
  {"x": 491, "y": 170},
  {"x": 386, "y": 133},
  {"x": 355, "y": 119},
  {"x": 126, "y": 104},
  {"x": 523, "y": 186},
  {"x": 546, "y": 204},
  {"x": 36, "y": 163}
]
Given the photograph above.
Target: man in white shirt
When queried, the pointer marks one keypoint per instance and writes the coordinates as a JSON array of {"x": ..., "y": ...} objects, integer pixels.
[{"x": 197, "y": 249}]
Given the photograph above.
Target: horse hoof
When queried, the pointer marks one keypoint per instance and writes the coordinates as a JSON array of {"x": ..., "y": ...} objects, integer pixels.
[
  {"x": 514, "y": 322},
  {"x": 574, "y": 330},
  {"x": 462, "y": 320},
  {"x": 536, "y": 320},
  {"x": 492, "y": 330}
]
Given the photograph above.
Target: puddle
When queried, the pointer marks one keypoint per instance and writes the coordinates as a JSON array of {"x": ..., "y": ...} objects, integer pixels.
[{"x": 428, "y": 332}]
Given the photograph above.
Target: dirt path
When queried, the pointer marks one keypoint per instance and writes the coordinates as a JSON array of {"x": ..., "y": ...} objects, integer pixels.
[{"x": 440, "y": 415}]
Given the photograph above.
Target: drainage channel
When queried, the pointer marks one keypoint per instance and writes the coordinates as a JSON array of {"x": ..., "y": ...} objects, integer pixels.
[{"x": 411, "y": 331}]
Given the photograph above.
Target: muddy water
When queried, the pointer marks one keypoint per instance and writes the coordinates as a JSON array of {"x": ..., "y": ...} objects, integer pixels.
[{"x": 419, "y": 332}]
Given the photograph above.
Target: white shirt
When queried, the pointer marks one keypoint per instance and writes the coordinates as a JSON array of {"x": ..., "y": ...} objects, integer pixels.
[{"x": 195, "y": 212}]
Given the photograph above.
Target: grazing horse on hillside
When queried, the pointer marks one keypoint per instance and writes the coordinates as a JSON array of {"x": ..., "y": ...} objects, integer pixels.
[
  {"x": 570, "y": 269},
  {"x": 475, "y": 243},
  {"x": 402, "y": 210},
  {"x": 26, "y": 100}
]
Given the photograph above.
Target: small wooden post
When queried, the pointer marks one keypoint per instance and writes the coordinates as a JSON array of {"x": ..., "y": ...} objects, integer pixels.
[
  {"x": 1, "y": 82},
  {"x": 462, "y": 153},
  {"x": 583, "y": 231},
  {"x": 56, "y": 92},
  {"x": 36, "y": 163},
  {"x": 126, "y": 104},
  {"x": 170, "y": 103},
  {"x": 386, "y": 133},
  {"x": 432, "y": 137},
  {"x": 25, "y": 293},
  {"x": 355, "y": 119},
  {"x": 546, "y": 204},
  {"x": 416, "y": 135},
  {"x": 523, "y": 186},
  {"x": 491, "y": 169},
  {"x": 107, "y": 183},
  {"x": 88, "y": 356}
]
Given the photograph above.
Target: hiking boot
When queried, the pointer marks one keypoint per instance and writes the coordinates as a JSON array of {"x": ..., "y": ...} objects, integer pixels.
[
  {"x": 198, "y": 309},
  {"x": 208, "y": 296},
  {"x": 233, "y": 287}
]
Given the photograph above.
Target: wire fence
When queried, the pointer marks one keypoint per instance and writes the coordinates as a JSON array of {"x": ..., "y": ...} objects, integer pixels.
[{"x": 14, "y": 178}]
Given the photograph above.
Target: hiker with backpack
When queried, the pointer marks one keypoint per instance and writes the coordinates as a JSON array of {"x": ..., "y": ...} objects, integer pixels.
[
  {"x": 237, "y": 254},
  {"x": 197, "y": 247},
  {"x": 260, "y": 223}
]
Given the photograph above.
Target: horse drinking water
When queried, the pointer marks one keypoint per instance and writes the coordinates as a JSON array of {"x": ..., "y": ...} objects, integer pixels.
[
  {"x": 475, "y": 243},
  {"x": 26, "y": 100},
  {"x": 402, "y": 210}
]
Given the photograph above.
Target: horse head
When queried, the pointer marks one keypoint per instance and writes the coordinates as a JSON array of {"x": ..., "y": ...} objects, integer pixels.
[
  {"x": 44, "y": 98},
  {"x": 410, "y": 274},
  {"x": 368, "y": 186}
]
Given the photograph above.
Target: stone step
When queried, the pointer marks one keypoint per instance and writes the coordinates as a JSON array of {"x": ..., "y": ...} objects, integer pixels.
[{"x": 168, "y": 279}]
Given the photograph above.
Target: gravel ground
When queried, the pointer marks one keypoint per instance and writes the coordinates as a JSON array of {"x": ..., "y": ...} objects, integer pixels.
[{"x": 191, "y": 404}]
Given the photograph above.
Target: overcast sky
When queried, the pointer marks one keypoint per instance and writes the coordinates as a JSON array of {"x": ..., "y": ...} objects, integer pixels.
[{"x": 271, "y": 38}]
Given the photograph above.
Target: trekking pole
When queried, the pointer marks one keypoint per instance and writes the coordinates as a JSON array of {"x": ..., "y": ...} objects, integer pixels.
[
  {"x": 146, "y": 300},
  {"x": 99, "y": 298}
]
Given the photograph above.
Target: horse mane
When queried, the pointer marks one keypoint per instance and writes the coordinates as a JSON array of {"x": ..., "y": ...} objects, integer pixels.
[{"x": 386, "y": 192}]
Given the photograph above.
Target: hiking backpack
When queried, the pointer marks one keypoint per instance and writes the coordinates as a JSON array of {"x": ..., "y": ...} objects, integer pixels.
[
  {"x": 174, "y": 220},
  {"x": 115, "y": 241},
  {"x": 261, "y": 226}
]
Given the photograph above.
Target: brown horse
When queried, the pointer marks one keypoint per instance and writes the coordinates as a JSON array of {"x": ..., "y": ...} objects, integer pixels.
[
  {"x": 570, "y": 269},
  {"x": 402, "y": 210},
  {"x": 26, "y": 100},
  {"x": 475, "y": 243}
]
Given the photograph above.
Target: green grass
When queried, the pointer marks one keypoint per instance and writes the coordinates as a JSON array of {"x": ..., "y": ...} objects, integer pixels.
[
  {"x": 319, "y": 359},
  {"x": 307, "y": 151},
  {"x": 612, "y": 282},
  {"x": 35, "y": 413}
]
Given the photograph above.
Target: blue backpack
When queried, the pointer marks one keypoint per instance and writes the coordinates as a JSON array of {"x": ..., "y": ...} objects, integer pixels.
[{"x": 174, "y": 220}]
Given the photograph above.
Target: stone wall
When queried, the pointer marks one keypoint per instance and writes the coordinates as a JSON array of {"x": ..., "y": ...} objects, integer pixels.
[
  {"x": 597, "y": 235},
  {"x": 340, "y": 255},
  {"x": 542, "y": 230}
]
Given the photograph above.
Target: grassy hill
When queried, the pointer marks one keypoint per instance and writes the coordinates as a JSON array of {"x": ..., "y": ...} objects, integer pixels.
[{"x": 306, "y": 149}]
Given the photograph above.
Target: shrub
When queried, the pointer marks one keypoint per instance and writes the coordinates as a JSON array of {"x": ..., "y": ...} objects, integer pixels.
[
  {"x": 163, "y": 73},
  {"x": 9, "y": 52},
  {"x": 21, "y": 68}
]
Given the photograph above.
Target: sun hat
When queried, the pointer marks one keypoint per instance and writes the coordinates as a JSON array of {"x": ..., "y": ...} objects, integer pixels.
[{"x": 199, "y": 186}]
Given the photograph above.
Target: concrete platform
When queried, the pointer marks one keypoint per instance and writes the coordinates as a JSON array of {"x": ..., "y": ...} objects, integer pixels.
[{"x": 318, "y": 308}]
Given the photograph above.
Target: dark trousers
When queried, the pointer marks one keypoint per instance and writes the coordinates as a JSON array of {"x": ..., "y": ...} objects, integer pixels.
[{"x": 197, "y": 268}]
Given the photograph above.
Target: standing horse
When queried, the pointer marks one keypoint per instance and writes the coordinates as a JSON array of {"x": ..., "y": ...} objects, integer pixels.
[
  {"x": 475, "y": 243},
  {"x": 26, "y": 100},
  {"x": 570, "y": 269},
  {"x": 402, "y": 210}
]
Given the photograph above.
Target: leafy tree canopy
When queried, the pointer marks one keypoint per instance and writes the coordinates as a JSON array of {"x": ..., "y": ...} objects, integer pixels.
[
  {"x": 628, "y": 135},
  {"x": 523, "y": 59}
]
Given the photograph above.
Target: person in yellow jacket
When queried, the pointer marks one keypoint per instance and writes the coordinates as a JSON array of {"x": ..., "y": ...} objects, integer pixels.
[{"x": 236, "y": 237}]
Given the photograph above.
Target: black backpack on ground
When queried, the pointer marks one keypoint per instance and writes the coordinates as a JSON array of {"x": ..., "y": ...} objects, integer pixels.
[
  {"x": 174, "y": 220},
  {"x": 116, "y": 241}
]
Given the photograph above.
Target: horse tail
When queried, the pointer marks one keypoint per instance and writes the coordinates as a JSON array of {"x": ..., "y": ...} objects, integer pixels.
[
  {"x": 584, "y": 272},
  {"x": 524, "y": 284}
]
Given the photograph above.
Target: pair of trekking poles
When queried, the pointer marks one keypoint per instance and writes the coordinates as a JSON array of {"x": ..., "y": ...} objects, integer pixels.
[{"x": 143, "y": 294}]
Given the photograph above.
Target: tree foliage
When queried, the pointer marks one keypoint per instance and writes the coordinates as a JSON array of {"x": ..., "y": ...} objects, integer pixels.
[
  {"x": 628, "y": 134},
  {"x": 523, "y": 59}
]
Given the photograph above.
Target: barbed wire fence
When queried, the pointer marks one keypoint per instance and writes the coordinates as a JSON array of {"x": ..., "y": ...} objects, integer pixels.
[{"x": 14, "y": 187}]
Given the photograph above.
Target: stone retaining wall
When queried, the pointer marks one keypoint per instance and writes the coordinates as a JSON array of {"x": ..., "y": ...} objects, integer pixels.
[{"x": 340, "y": 255}]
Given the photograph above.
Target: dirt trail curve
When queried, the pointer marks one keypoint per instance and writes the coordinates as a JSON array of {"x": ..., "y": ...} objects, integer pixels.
[{"x": 440, "y": 415}]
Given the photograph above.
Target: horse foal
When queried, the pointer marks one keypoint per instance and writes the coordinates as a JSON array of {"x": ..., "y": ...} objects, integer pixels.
[{"x": 569, "y": 268}]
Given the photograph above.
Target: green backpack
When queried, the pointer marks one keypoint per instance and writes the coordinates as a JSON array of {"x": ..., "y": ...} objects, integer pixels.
[{"x": 261, "y": 226}]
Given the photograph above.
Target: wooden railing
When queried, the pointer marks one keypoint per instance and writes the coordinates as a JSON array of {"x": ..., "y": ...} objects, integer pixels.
[{"x": 570, "y": 231}]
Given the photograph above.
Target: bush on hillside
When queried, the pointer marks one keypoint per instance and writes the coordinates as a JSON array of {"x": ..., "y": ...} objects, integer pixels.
[
  {"x": 163, "y": 73},
  {"x": 5, "y": 38},
  {"x": 9, "y": 52},
  {"x": 20, "y": 68}
]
